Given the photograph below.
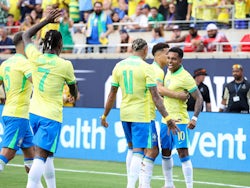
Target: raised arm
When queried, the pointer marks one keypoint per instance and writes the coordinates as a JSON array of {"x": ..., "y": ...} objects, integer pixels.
[{"x": 51, "y": 18}]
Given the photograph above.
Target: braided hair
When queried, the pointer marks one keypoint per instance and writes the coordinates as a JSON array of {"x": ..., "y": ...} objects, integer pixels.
[{"x": 52, "y": 40}]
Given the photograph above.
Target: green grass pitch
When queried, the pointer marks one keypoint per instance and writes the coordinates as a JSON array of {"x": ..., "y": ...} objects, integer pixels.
[{"x": 71, "y": 173}]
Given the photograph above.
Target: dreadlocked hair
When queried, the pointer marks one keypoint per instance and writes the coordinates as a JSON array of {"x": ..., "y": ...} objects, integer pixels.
[{"x": 52, "y": 40}]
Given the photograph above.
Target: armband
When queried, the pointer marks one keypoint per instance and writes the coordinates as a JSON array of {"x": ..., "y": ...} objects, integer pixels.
[
  {"x": 222, "y": 106},
  {"x": 194, "y": 118},
  {"x": 167, "y": 118}
]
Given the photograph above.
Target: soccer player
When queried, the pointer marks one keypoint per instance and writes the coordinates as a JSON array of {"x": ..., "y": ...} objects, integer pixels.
[
  {"x": 137, "y": 81},
  {"x": 50, "y": 72},
  {"x": 159, "y": 52},
  {"x": 178, "y": 79},
  {"x": 15, "y": 73}
]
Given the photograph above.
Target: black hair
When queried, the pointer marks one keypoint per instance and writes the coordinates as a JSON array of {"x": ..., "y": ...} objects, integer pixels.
[
  {"x": 17, "y": 38},
  {"x": 159, "y": 47},
  {"x": 154, "y": 8},
  {"x": 177, "y": 50},
  {"x": 11, "y": 15},
  {"x": 53, "y": 39}
]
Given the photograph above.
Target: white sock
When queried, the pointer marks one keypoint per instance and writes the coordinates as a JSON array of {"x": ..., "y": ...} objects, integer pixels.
[
  {"x": 35, "y": 173},
  {"x": 39, "y": 185},
  {"x": 49, "y": 173},
  {"x": 28, "y": 163},
  {"x": 187, "y": 170},
  {"x": 167, "y": 168},
  {"x": 2, "y": 164},
  {"x": 135, "y": 168},
  {"x": 128, "y": 160},
  {"x": 146, "y": 172}
]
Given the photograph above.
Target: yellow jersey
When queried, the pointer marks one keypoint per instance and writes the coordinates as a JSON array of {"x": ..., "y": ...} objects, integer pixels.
[
  {"x": 14, "y": 73},
  {"x": 50, "y": 72},
  {"x": 178, "y": 81},
  {"x": 196, "y": 12},
  {"x": 134, "y": 76}
]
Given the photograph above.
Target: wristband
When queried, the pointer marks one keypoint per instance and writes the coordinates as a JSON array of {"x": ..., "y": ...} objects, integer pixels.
[
  {"x": 103, "y": 117},
  {"x": 194, "y": 118},
  {"x": 167, "y": 118}
]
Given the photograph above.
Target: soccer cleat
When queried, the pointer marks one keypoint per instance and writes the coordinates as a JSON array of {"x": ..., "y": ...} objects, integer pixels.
[{"x": 168, "y": 187}]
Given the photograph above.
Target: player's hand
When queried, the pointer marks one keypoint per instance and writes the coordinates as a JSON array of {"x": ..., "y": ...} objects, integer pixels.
[
  {"x": 191, "y": 124},
  {"x": 172, "y": 126},
  {"x": 184, "y": 95},
  {"x": 53, "y": 15},
  {"x": 104, "y": 122}
]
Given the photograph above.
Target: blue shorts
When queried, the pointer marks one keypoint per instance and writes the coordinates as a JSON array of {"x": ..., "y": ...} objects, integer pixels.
[
  {"x": 154, "y": 134},
  {"x": 17, "y": 133},
  {"x": 46, "y": 132},
  {"x": 140, "y": 134},
  {"x": 179, "y": 140}
]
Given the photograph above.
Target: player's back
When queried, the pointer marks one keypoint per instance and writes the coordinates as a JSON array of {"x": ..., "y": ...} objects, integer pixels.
[
  {"x": 50, "y": 73},
  {"x": 134, "y": 76},
  {"x": 14, "y": 73}
]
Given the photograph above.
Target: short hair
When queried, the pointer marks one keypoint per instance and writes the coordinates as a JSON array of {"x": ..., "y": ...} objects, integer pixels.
[
  {"x": 10, "y": 15},
  {"x": 237, "y": 66},
  {"x": 52, "y": 40},
  {"x": 159, "y": 47},
  {"x": 155, "y": 9},
  {"x": 139, "y": 44},
  {"x": 18, "y": 38},
  {"x": 177, "y": 50},
  {"x": 98, "y": 2}
]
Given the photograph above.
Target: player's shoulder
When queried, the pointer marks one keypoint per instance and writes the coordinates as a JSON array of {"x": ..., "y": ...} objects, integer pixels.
[
  {"x": 63, "y": 61},
  {"x": 185, "y": 73},
  {"x": 21, "y": 58}
]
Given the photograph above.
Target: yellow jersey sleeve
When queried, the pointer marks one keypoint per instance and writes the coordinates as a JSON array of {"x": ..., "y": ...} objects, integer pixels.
[
  {"x": 150, "y": 76},
  {"x": 115, "y": 77},
  {"x": 70, "y": 76}
]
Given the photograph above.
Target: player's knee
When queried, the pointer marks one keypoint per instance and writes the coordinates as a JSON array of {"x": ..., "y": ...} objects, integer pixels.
[
  {"x": 183, "y": 152},
  {"x": 153, "y": 153},
  {"x": 166, "y": 152}
]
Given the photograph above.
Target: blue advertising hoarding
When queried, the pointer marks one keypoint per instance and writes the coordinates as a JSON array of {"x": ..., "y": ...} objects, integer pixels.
[
  {"x": 94, "y": 77},
  {"x": 220, "y": 140}
]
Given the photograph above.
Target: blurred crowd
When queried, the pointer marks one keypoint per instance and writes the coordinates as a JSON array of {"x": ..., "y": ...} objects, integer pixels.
[{"x": 98, "y": 19}]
